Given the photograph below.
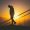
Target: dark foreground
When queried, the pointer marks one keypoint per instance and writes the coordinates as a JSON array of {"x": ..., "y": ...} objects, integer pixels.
[{"x": 13, "y": 27}]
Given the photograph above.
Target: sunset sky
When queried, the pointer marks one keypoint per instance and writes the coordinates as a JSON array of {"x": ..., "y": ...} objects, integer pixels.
[{"x": 20, "y": 6}]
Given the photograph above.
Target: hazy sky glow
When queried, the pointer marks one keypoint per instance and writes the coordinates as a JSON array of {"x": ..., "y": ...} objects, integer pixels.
[{"x": 20, "y": 6}]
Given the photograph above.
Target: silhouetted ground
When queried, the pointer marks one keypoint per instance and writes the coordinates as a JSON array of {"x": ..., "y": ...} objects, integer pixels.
[{"x": 14, "y": 27}]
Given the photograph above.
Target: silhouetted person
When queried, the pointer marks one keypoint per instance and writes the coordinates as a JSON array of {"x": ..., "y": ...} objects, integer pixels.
[{"x": 11, "y": 13}]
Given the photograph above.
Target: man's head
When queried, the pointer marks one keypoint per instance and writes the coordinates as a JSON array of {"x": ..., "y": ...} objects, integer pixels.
[{"x": 10, "y": 6}]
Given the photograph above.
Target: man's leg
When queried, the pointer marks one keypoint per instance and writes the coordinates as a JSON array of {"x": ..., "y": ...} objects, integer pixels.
[{"x": 13, "y": 22}]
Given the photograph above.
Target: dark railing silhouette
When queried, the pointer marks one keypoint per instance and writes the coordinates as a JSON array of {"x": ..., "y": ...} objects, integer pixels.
[{"x": 21, "y": 14}]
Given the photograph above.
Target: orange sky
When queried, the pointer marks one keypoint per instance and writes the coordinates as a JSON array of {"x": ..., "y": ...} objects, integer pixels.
[{"x": 19, "y": 7}]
